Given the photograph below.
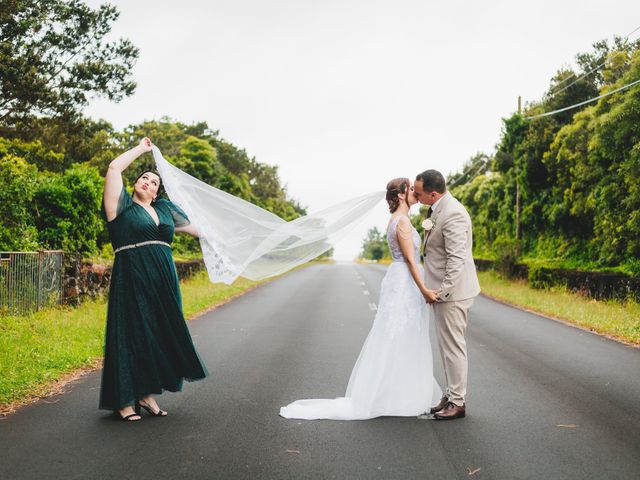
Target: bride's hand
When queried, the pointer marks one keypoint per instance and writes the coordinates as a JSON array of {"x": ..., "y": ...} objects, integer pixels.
[
  {"x": 430, "y": 296},
  {"x": 145, "y": 144}
]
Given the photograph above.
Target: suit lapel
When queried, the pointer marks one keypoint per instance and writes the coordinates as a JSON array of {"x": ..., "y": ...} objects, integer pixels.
[{"x": 434, "y": 216}]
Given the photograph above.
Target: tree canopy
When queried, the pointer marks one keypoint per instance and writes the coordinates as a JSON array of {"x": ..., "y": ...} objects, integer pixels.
[
  {"x": 54, "y": 56},
  {"x": 576, "y": 172}
]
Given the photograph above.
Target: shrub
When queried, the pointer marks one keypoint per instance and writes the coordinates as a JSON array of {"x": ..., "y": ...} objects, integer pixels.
[{"x": 507, "y": 252}]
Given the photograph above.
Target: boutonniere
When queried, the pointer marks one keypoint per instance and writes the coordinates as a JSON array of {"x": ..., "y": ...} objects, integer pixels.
[{"x": 428, "y": 224}]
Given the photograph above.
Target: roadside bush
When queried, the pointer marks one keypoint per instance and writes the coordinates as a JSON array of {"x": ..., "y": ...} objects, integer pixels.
[
  {"x": 543, "y": 278},
  {"x": 67, "y": 207},
  {"x": 507, "y": 252}
]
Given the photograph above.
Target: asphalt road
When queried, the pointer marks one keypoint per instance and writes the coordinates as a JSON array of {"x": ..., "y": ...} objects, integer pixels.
[{"x": 546, "y": 401}]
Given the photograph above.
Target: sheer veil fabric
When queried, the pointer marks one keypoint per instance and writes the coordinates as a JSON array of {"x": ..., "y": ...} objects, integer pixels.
[
  {"x": 394, "y": 372},
  {"x": 241, "y": 239}
]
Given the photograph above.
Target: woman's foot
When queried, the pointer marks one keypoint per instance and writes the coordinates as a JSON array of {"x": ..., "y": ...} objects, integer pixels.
[
  {"x": 128, "y": 414},
  {"x": 151, "y": 406}
]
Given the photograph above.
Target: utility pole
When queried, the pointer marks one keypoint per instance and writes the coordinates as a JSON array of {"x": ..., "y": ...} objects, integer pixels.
[{"x": 518, "y": 186}]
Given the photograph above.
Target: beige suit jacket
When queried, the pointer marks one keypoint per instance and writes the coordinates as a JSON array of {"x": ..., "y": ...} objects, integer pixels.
[{"x": 448, "y": 258}]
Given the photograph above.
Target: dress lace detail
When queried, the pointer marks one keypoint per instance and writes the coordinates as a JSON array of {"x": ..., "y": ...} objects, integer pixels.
[{"x": 394, "y": 246}]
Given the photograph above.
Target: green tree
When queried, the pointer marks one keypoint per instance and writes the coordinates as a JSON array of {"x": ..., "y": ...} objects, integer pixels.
[
  {"x": 78, "y": 140},
  {"x": 220, "y": 163},
  {"x": 33, "y": 152},
  {"x": 374, "y": 245},
  {"x": 576, "y": 174},
  {"x": 18, "y": 180},
  {"x": 615, "y": 146},
  {"x": 53, "y": 55},
  {"x": 600, "y": 54},
  {"x": 67, "y": 210},
  {"x": 198, "y": 157},
  {"x": 573, "y": 176},
  {"x": 479, "y": 164}
]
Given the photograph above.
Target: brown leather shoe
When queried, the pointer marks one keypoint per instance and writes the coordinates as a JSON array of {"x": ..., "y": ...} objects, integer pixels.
[
  {"x": 450, "y": 412},
  {"x": 443, "y": 403}
]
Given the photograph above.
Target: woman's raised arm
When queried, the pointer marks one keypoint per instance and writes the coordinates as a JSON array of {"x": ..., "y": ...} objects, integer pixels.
[{"x": 113, "y": 178}]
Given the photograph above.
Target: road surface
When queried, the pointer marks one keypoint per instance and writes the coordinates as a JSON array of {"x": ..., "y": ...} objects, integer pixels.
[{"x": 545, "y": 401}]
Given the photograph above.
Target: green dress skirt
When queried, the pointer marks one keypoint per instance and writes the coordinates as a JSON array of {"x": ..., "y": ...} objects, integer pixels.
[{"x": 148, "y": 348}]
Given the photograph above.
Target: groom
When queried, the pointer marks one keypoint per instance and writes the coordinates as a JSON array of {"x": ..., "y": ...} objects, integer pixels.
[{"x": 448, "y": 269}]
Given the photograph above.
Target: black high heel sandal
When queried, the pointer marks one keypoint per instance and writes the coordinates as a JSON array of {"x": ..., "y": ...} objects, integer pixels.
[
  {"x": 129, "y": 418},
  {"x": 159, "y": 413}
]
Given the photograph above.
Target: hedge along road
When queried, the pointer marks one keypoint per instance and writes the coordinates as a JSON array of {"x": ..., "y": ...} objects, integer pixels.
[{"x": 545, "y": 400}]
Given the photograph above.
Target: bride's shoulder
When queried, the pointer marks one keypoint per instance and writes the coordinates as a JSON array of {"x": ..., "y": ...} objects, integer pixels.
[
  {"x": 395, "y": 219},
  {"x": 403, "y": 224}
]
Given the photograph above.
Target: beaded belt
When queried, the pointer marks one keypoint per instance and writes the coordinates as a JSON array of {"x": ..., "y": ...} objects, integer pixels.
[{"x": 141, "y": 244}]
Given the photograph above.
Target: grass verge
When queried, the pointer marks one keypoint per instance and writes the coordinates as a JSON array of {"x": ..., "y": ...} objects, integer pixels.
[
  {"x": 42, "y": 352},
  {"x": 615, "y": 319}
]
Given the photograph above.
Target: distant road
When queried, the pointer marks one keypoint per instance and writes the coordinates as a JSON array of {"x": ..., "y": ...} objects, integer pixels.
[{"x": 546, "y": 401}]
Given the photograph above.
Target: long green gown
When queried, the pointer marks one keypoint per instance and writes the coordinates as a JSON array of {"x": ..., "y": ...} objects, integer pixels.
[{"x": 148, "y": 347}]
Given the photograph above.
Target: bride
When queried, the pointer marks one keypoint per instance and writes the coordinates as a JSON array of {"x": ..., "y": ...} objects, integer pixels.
[{"x": 393, "y": 375}]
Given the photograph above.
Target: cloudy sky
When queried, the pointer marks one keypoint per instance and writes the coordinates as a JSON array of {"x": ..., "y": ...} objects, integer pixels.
[{"x": 345, "y": 95}]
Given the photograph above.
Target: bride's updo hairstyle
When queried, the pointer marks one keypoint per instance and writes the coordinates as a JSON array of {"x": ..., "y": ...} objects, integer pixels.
[{"x": 394, "y": 188}]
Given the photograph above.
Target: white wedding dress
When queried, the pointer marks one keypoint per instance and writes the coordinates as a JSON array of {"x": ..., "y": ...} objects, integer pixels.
[{"x": 393, "y": 375}]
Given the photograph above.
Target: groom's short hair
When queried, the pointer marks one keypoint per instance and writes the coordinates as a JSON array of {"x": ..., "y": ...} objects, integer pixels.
[{"x": 432, "y": 181}]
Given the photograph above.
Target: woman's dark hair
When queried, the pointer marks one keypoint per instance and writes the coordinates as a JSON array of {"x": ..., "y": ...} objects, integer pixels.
[
  {"x": 160, "y": 192},
  {"x": 394, "y": 188},
  {"x": 432, "y": 181}
]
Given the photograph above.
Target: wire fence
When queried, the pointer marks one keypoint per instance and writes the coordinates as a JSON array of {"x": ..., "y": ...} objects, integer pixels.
[{"x": 30, "y": 281}]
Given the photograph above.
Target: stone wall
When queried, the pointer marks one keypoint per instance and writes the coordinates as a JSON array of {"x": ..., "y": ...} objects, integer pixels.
[
  {"x": 83, "y": 280},
  {"x": 598, "y": 285}
]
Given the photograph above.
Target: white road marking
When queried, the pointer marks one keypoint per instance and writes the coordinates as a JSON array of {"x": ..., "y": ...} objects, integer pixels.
[
  {"x": 366, "y": 292},
  {"x": 373, "y": 307}
]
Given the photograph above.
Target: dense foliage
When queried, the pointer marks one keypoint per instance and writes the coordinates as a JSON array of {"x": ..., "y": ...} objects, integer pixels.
[
  {"x": 43, "y": 207},
  {"x": 575, "y": 173},
  {"x": 53, "y": 57},
  {"x": 561, "y": 190}
]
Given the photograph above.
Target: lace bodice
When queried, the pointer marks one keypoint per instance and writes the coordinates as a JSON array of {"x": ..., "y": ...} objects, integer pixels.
[{"x": 394, "y": 246}]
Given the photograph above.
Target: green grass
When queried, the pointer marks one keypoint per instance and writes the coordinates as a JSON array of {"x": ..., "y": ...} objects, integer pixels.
[
  {"x": 620, "y": 320},
  {"x": 38, "y": 350}
]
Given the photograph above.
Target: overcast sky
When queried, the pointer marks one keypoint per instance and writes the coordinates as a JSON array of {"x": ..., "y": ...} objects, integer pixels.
[{"x": 345, "y": 95}]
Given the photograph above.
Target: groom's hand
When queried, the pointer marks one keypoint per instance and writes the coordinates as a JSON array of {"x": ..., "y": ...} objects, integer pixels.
[{"x": 438, "y": 294}]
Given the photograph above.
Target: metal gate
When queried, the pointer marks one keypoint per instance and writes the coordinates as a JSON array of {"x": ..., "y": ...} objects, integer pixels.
[{"x": 30, "y": 281}]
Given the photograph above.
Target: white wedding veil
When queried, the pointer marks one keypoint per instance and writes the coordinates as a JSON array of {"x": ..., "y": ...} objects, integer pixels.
[{"x": 242, "y": 239}]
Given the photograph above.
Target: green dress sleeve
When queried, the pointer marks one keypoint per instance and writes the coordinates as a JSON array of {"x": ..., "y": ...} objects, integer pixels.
[
  {"x": 180, "y": 219},
  {"x": 124, "y": 201}
]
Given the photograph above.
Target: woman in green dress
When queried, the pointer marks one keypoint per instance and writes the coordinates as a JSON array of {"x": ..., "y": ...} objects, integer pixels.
[{"x": 148, "y": 348}]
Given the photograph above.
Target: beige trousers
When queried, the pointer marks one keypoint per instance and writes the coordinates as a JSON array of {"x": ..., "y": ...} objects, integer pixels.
[{"x": 451, "y": 325}]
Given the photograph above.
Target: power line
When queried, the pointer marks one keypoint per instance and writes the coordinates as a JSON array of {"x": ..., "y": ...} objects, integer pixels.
[
  {"x": 463, "y": 174},
  {"x": 583, "y": 103},
  {"x": 586, "y": 74}
]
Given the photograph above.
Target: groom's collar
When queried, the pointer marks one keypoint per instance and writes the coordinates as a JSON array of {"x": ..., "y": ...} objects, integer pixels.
[{"x": 437, "y": 202}]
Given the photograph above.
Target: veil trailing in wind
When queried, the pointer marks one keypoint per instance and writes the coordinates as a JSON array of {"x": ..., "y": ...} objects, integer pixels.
[{"x": 242, "y": 239}]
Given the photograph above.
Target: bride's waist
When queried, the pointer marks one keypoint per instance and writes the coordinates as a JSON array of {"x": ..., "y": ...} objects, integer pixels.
[{"x": 402, "y": 261}]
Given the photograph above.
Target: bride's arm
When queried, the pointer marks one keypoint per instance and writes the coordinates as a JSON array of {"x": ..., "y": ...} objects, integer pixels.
[
  {"x": 113, "y": 178},
  {"x": 404, "y": 232}
]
